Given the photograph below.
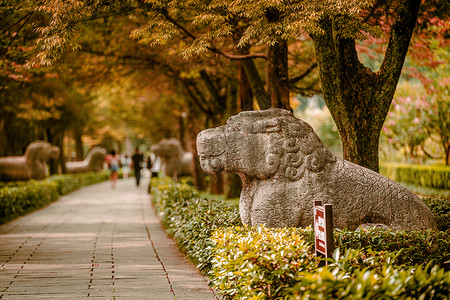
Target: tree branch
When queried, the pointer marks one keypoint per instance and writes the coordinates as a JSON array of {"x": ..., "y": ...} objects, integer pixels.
[
  {"x": 96, "y": 17},
  {"x": 296, "y": 79},
  {"x": 27, "y": 18},
  {"x": 398, "y": 45},
  {"x": 210, "y": 85},
  {"x": 210, "y": 48}
]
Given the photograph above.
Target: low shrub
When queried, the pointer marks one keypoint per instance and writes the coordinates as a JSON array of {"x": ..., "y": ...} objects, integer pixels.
[
  {"x": 387, "y": 283},
  {"x": 427, "y": 176},
  {"x": 19, "y": 198},
  {"x": 417, "y": 247},
  {"x": 257, "y": 261},
  {"x": 191, "y": 219},
  {"x": 263, "y": 263},
  {"x": 441, "y": 212}
]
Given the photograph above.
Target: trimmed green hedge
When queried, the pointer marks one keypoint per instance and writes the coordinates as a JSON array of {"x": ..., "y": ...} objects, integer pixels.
[
  {"x": 267, "y": 263},
  {"x": 427, "y": 176},
  {"x": 263, "y": 263},
  {"x": 19, "y": 198},
  {"x": 191, "y": 219},
  {"x": 441, "y": 212}
]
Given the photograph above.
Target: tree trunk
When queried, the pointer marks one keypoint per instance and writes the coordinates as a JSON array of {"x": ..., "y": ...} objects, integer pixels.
[
  {"x": 278, "y": 74},
  {"x": 233, "y": 186},
  {"x": 447, "y": 155},
  {"x": 217, "y": 184},
  {"x": 56, "y": 139},
  {"x": 198, "y": 174},
  {"x": 245, "y": 98},
  {"x": 232, "y": 96},
  {"x": 61, "y": 160},
  {"x": 78, "y": 145},
  {"x": 3, "y": 139},
  {"x": 256, "y": 84},
  {"x": 359, "y": 99}
]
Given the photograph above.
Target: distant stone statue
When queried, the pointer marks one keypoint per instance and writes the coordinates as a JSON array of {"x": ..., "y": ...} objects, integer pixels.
[
  {"x": 284, "y": 167},
  {"x": 30, "y": 166},
  {"x": 93, "y": 162},
  {"x": 174, "y": 161}
]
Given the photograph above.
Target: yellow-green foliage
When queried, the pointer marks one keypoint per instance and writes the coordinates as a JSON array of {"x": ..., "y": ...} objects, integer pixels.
[
  {"x": 267, "y": 263},
  {"x": 387, "y": 283},
  {"x": 191, "y": 219},
  {"x": 427, "y": 176},
  {"x": 258, "y": 261},
  {"x": 18, "y": 200}
]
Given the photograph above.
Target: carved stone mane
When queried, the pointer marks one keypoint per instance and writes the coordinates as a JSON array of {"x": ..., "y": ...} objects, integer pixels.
[
  {"x": 30, "y": 166},
  {"x": 284, "y": 167},
  {"x": 93, "y": 162},
  {"x": 174, "y": 161}
]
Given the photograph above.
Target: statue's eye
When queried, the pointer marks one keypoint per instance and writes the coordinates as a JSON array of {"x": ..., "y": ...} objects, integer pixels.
[{"x": 237, "y": 125}]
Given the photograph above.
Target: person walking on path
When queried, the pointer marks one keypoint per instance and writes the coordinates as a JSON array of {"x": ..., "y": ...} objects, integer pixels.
[
  {"x": 154, "y": 165},
  {"x": 137, "y": 160},
  {"x": 113, "y": 161},
  {"x": 126, "y": 163}
]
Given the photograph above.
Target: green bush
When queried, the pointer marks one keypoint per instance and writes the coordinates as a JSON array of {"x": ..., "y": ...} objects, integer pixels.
[
  {"x": 256, "y": 261},
  {"x": 387, "y": 283},
  {"x": 441, "y": 212},
  {"x": 427, "y": 176},
  {"x": 262, "y": 263},
  {"x": 417, "y": 247},
  {"x": 191, "y": 219},
  {"x": 19, "y": 198}
]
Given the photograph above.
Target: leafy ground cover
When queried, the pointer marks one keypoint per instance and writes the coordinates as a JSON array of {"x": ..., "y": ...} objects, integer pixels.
[{"x": 264, "y": 263}]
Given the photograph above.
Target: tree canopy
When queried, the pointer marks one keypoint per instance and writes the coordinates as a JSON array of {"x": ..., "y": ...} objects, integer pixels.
[{"x": 149, "y": 69}]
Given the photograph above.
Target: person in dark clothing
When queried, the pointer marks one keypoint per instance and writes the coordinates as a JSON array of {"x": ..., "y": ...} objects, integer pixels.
[{"x": 137, "y": 160}]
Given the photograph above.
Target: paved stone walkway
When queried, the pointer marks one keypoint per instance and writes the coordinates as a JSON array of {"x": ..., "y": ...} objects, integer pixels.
[{"x": 95, "y": 242}]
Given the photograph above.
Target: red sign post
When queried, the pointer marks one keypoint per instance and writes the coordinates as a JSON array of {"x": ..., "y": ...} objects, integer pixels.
[{"x": 323, "y": 229}]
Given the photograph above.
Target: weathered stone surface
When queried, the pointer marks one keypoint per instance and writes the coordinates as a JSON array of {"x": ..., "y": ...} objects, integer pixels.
[
  {"x": 30, "y": 166},
  {"x": 93, "y": 162},
  {"x": 174, "y": 161},
  {"x": 284, "y": 167}
]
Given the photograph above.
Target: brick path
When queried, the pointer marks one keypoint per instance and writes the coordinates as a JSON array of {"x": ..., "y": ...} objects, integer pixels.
[{"x": 95, "y": 242}]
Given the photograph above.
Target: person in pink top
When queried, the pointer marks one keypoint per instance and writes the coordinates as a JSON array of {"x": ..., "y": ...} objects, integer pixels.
[{"x": 113, "y": 161}]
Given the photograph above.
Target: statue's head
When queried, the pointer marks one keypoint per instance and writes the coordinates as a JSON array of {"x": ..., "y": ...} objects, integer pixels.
[
  {"x": 96, "y": 157},
  {"x": 167, "y": 148},
  {"x": 41, "y": 151},
  {"x": 263, "y": 144},
  {"x": 53, "y": 152}
]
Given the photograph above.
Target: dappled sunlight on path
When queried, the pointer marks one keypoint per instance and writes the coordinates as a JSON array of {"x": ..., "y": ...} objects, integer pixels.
[{"x": 95, "y": 242}]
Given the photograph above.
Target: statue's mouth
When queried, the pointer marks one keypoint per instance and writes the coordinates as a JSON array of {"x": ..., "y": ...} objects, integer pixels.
[
  {"x": 210, "y": 155},
  {"x": 211, "y": 143}
]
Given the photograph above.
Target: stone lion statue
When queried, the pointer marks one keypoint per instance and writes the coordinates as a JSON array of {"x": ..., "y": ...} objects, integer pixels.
[
  {"x": 174, "y": 161},
  {"x": 93, "y": 162},
  {"x": 30, "y": 166},
  {"x": 284, "y": 167}
]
